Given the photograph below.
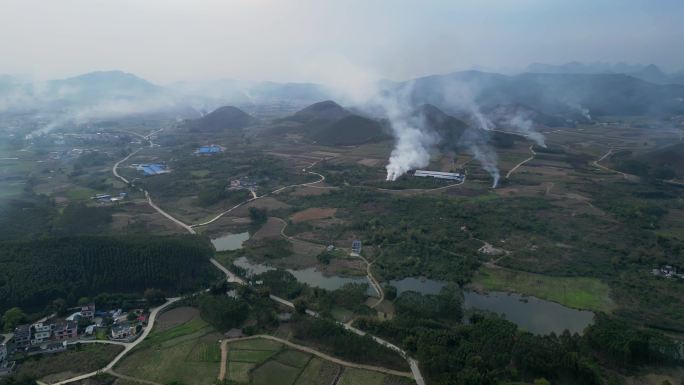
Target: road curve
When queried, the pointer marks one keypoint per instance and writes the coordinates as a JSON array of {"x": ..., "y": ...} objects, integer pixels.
[
  {"x": 316, "y": 353},
  {"x": 233, "y": 278},
  {"x": 116, "y": 166},
  {"x": 127, "y": 347},
  {"x": 511, "y": 171}
]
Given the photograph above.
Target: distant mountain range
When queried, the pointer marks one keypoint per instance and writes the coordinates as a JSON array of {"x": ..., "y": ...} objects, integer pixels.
[
  {"x": 552, "y": 95},
  {"x": 650, "y": 73},
  {"x": 559, "y": 96}
]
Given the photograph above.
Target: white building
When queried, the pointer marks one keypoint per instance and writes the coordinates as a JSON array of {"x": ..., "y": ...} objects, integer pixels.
[
  {"x": 439, "y": 175},
  {"x": 41, "y": 333}
]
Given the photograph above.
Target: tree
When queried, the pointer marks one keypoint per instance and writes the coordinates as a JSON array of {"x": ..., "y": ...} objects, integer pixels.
[
  {"x": 390, "y": 292},
  {"x": 59, "y": 306},
  {"x": 223, "y": 312},
  {"x": 13, "y": 317},
  {"x": 258, "y": 216},
  {"x": 300, "y": 306},
  {"x": 541, "y": 381},
  {"x": 154, "y": 297}
]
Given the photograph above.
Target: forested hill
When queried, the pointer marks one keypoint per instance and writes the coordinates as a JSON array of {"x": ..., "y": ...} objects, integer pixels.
[{"x": 32, "y": 274}]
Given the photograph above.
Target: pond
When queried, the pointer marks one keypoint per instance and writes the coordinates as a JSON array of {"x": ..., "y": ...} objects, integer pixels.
[
  {"x": 529, "y": 313},
  {"x": 230, "y": 241},
  {"x": 310, "y": 275}
]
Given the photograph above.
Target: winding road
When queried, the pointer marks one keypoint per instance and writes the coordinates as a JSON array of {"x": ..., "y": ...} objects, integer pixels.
[
  {"x": 233, "y": 278},
  {"x": 511, "y": 171},
  {"x": 127, "y": 346}
]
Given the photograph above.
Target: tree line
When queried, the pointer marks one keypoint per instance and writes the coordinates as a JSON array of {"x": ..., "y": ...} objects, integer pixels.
[{"x": 35, "y": 273}]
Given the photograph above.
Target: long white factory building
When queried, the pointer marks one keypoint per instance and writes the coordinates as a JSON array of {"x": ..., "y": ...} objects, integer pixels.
[{"x": 439, "y": 174}]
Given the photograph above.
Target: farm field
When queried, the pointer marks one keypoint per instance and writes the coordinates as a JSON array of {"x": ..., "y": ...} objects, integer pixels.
[
  {"x": 266, "y": 362},
  {"x": 577, "y": 292},
  {"x": 188, "y": 352},
  {"x": 75, "y": 361}
]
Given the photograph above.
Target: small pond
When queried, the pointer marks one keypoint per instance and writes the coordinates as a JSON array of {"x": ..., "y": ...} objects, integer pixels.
[
  {"x": 230, "y": 241},
  {"x": 529, "y": 313},
  {"x": 310, "y": 275}
]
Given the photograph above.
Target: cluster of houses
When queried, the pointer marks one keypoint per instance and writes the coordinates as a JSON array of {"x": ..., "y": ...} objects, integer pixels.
[
  {"x": 48, "y": 336},
  {"x": 667, "y": 271}
]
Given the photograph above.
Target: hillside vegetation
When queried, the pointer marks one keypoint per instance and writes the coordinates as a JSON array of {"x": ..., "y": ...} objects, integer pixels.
[{"x": 32, "y": 274}]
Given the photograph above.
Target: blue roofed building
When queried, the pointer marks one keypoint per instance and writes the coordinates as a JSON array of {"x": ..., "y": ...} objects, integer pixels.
[
  {"x": 153, "y": 169},
  {"x": 209, "y": 150}
]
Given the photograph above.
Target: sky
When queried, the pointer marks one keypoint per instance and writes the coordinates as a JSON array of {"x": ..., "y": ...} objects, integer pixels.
[{"x": 320, "y": 40}]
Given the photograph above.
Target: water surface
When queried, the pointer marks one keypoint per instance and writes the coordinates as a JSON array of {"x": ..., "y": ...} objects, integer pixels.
[
  {"x": 310, "y": 275},
  {"x": 230, "y": 241},
  {"x": 529, "y": 313}
]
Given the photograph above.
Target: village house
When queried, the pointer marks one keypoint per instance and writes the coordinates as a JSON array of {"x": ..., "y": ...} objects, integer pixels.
[
  {"x": 65, "y": 330},
  {"x": 122, "y": 331},
  {"x": 22, "y": 336},
  {"x": 41, "y": 332},
  {"x": 88, "y": 311}
]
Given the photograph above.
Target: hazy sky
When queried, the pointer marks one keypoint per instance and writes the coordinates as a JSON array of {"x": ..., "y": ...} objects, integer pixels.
[{"x": 314, "y": 40}]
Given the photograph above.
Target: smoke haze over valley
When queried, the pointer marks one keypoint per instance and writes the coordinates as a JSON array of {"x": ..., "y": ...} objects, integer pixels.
[{"x": 343, "y": 192}]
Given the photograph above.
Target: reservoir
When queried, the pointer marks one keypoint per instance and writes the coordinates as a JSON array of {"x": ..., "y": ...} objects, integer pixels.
[{"x": 529, "y": 313}]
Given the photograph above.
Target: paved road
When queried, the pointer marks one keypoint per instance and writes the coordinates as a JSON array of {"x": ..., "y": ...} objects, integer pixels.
[
  {"x": 167, "y": 215},
  {"x": 127, "y": 346},
  {"x": 233, "y": 278},
  {"x": 311, "y": 351},
  {"x": 116, "y": 166}
]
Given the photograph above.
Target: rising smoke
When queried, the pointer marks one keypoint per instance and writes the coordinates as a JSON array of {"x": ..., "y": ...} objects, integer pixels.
[
  {"x": 525, "y": 127},
  {"x": 413, "y": 140}
]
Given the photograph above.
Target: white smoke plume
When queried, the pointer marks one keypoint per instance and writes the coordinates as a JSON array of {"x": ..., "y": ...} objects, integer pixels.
[
  {"x": 524, "y": 126},
  {"x": 478, "y": 146},
  {"x": 488, "y": 160},
  {"x": 413, "y": 142}
]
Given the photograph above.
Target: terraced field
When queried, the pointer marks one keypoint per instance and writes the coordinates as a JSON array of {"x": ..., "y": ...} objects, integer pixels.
[{"x": 265, "y": 362}]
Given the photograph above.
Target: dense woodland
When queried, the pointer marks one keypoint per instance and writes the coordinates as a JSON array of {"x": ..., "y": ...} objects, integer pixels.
[
  {"x": 488, "y": 350},
  {"x": 34, "y": 273}
]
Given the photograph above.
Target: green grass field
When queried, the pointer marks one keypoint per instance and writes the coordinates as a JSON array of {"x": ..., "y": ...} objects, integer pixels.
[
  {"x": 274, "y": 373},
  {"x": 77, "y": 360},
  {"x": 188, "y": 353},
  {"x": 575, "y": 292},
  {"x": 248, "y": 362},
  {"x": 209, "y": 351},
  {"x": 352, "y": 376},
  {"x": 256, "y": 344},
  {"x": 191, "y": 327},
  {"x": 255, "y": 356},
  {"x": 239, "y": 371},
  {"x": 293, "y": 358}
]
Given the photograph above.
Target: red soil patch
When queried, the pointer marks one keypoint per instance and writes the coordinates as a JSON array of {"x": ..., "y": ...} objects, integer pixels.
[{"x": 312, "y": 214}]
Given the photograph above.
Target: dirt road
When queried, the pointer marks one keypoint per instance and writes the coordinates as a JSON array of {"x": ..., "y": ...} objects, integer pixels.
[
  {"x": 511, "y": 171},
  {"x": 224, "y": 348}
]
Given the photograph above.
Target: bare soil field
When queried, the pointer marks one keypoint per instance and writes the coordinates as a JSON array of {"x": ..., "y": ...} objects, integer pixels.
[
  {"x": 312, "y": 214},
  {"x": 175, "y": 317},
  {"x": 310, "y": 191}
]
